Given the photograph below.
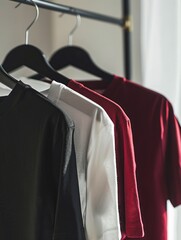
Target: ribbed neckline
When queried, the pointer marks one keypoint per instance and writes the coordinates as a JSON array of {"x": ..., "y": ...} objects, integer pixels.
[{"x": 102, "y": 85}]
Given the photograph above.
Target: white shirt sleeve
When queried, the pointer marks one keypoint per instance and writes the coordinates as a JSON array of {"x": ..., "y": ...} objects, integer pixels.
[{"x": 102, "y": 219}]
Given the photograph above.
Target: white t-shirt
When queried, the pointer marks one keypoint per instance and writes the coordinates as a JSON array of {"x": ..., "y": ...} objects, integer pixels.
[{"x": 96, "y": 163}]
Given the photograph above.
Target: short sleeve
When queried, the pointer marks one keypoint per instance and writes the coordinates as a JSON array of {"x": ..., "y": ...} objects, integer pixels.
[
  {"x": 133, "y": 220},
  {"x": 102, "y": 219},
  {"x": 173, "y": 157},
  {"x": 68, "y": 218}
]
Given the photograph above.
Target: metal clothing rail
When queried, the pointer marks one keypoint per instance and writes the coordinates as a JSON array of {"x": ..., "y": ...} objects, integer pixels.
[
  {"x": 127, "y": 38},
  {"x": 124, "y": 22},
  {"x": 73, "y": 11}
]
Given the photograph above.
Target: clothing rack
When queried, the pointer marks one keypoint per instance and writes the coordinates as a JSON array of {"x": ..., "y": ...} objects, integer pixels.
[
  {"x": 127, "y": 38},
  {"x": 125, "y": 22}
]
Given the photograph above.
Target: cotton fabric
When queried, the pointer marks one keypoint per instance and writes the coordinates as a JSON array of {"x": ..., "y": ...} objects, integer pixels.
[
  {"x": 96, "y": 164},
  {"x": 157, "y": 141}
]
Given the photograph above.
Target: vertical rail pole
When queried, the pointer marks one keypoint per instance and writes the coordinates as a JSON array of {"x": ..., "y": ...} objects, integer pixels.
[{"x": 127, "y": 38}]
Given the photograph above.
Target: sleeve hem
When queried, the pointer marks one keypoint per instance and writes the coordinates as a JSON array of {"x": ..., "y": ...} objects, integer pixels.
[
  {"x": 135, "y": 232},
  {"x": 110, "y": 234}
]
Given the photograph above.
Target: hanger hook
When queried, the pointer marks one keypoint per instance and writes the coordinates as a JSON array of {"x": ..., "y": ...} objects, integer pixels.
[
  {"x": 31, "y": 24},
  {"x": 70, "y": 37}
]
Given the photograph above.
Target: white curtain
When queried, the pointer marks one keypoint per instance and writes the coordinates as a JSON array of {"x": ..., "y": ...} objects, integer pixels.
[{"x": 161, "y": 66}]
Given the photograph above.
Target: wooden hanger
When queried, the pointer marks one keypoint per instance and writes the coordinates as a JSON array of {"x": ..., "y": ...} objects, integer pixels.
[
  {"x": 31, "y": 57},
  {"x": 76, "y": 57},
  {"x": 79, "y": 58}
]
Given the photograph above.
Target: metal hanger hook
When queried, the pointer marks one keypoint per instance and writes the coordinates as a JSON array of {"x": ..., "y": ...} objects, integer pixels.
[
  {"x": 31, "y": 24},
  {"x": 70, "y": 37}
]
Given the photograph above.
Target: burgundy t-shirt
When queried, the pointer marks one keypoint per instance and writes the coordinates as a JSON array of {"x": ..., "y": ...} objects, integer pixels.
[
  {"x": 129, "y": 208},
  {"x": 157, "y": 142}
]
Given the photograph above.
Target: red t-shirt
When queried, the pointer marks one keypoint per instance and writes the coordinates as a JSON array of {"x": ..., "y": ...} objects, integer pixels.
[
  {"x": 157, "y": 142},
  {"x": 129, "y": 208}
]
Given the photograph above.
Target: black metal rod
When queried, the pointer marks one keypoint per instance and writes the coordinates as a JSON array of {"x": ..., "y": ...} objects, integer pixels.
[
  {"x": 73, "y": 11},
  {"x": 127, "y": 39}
]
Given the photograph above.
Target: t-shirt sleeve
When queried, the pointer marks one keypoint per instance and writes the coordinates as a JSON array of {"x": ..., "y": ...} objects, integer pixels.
[
  {"x": 68, "y": 219},
  {"x": 132, "y": 221},
  {"x": 173, "y": 157},
  {"x": 102, "y": 221}
]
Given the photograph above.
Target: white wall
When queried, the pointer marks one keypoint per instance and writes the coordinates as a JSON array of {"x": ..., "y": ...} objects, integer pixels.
[
  {"x": 13, "y": 23},
  {"x": 135, "y": 41},
  {"x": 103, "y": 41}
]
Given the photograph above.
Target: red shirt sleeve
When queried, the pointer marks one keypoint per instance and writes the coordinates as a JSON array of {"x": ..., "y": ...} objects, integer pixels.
[
  {"x": 173, "y": 156},
  {"x": 133, "y": 221}
]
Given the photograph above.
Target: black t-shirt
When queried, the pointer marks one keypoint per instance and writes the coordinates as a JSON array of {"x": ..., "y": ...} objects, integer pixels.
[{"x": 39, "y": 195}]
